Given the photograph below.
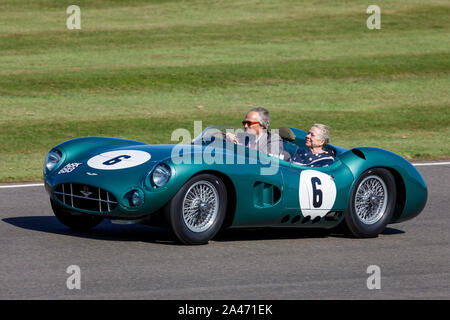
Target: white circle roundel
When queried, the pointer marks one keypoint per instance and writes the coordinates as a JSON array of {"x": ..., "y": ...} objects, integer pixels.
[
  {"x": 317, "y": 193},
  {"x": 119, "y": 159}
]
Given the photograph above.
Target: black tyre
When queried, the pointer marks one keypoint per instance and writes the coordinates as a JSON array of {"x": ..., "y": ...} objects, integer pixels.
[
  {"x": 196, "y": 213},
  {"x": 82, "y": 222},
  {"x": 371, "y": 204}
]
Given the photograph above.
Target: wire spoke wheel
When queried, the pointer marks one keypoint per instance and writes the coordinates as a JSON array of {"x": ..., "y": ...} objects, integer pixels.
[
  {"x": 200, "y": 206},
  {"x": 371, "y": 204},
  {"x": 197, "y": 211},
  {"x": 371, "y": 200}
]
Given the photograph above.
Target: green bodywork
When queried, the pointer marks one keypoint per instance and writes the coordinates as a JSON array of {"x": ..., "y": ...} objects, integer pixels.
[{"x": 254, "y": 199}]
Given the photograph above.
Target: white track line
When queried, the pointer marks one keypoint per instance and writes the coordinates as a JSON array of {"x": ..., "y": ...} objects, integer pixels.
[
  {"x": 41, "y": 184},
  {"x": 431, "y": 164},
  {"x": 22, "y": 185}
]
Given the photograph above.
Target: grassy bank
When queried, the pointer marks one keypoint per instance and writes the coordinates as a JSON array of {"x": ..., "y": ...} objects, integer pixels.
[{"x": 140, "y": 69}]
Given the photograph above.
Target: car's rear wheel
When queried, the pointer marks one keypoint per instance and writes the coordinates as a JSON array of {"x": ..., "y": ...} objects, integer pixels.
[
  {"x": 196, "y": 213},
  {"x": 371, "y": 204},
  {"x": 81, "y": 222}
]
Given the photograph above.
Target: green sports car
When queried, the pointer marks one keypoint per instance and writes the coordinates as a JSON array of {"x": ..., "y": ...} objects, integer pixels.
[{"x": 197, "y": 188}]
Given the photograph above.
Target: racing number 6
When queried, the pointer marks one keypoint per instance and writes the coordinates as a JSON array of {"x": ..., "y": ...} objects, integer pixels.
[
  {"x": 317, "y": 193},
  {"x": 115, "y": 160}
]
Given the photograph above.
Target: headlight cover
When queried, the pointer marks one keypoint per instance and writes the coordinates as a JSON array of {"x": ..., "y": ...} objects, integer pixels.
[
  {"x": 160, "y": 175},
  {"x": 53, "y": 157},
  {"x": 134, "y": 198}
]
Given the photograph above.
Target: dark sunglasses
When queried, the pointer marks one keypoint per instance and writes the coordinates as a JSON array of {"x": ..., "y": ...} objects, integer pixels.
[{"x": 249, "y": 123}]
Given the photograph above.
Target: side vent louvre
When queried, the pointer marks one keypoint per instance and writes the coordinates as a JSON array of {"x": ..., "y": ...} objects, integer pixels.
[
  {"x": 265, "y": 194},
  {"x": 359, "y": 153}
]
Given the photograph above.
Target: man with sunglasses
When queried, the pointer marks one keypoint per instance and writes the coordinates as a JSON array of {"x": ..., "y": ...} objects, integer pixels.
[{"x": 257, "y": 123}]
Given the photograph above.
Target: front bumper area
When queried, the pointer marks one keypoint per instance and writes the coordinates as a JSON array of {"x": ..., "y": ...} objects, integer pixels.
[{"x": 79, "y": 198}]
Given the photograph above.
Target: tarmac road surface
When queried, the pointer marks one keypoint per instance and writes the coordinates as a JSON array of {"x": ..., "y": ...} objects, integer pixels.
[{"x": 141, "y": 262}]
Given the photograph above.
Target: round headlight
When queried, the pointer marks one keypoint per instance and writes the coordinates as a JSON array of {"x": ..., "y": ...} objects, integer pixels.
[
  {"x": 160, "y": 175},
  {"x": 52, "y": 159}
]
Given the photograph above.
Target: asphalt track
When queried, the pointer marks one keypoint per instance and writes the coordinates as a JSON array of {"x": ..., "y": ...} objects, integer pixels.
[{"x": 141, "y": 262}]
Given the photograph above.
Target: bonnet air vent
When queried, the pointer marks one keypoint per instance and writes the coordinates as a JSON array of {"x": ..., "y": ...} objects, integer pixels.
[{"x": 359, "y": 153}]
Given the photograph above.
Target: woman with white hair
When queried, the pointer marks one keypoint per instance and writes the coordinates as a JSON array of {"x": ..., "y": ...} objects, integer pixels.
[{"x": 315, "y": 155}]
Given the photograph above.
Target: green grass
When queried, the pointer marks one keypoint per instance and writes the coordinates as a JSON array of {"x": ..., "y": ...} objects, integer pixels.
[{"x": 140, "y": 69}]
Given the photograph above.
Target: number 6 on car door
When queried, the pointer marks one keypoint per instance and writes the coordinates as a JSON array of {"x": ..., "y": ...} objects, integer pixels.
[{"x": 317, "y": 193}]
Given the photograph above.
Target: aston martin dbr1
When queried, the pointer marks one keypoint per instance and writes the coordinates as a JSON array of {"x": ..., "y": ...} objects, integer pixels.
[{"x": 196, "y": 189}]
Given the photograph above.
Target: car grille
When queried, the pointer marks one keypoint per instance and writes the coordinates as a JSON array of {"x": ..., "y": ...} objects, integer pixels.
[{"x": 81, "y": 196}]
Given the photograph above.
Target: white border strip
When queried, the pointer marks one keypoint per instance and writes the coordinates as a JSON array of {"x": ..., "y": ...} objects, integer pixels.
[
  {"x": 21, "y": 185},
  {"x": 431, "y": 164},
  {"x": 7, "y": 186}
]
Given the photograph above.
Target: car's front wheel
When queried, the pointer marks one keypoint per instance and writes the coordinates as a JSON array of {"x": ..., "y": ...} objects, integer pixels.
[
  {"x": 82, "y": 222},
  {"x": 196, "y": 213},
  {"x": 371, "y": 204}
]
